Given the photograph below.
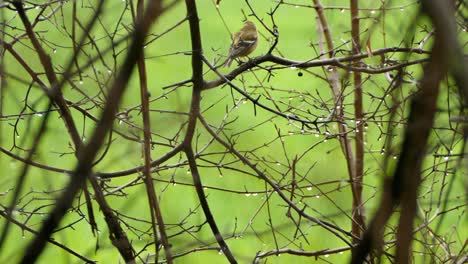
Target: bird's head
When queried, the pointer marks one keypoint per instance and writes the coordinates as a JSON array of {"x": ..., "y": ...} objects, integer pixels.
[{"x": 249, "y": 24}]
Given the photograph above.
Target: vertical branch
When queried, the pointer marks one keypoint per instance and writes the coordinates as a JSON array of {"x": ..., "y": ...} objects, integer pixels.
[
  {"x": 197, "y": 78},
  {"x": 337, "y": 93},
  {"x": 155, "y": 210},
  {"x": 345, "y": 142},
  {"x": 2, "y": 54},
  {"x": 407, "y": 176},
  {"x": 358, "y": 208}
]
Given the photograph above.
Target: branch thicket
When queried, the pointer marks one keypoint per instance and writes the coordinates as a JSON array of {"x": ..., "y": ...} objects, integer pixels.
[{"x": 120, "y": 138}]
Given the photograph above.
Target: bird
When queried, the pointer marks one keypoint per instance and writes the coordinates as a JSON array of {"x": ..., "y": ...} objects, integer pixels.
[{"x": 244, "y": 42}]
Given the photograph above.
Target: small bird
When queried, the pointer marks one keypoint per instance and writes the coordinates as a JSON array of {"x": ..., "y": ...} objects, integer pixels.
[{"x": 244, "y": 42}]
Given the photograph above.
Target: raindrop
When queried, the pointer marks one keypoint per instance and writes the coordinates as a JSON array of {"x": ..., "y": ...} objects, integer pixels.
[
  {"x": 309, "y": 188},
  {"x": 446, "y": 158},
  {"x": 247, "y": 194},
  {"x": 293, "y": 68},
  {"x": 39, "y": 114},
  {"x": 317, "y": 196}
]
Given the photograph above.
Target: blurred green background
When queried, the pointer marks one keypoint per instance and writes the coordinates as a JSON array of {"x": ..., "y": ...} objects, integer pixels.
[{"x": 242, "y": 214}]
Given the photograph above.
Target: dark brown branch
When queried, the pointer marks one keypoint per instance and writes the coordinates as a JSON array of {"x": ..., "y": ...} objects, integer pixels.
[
  {"x": 197, "y": 77},
  {"x": 317, "y": 253},
  {"x": 337, "y": 61},
  {"x": 154, "y": 207},
  {"x": 358, "y": 223}
]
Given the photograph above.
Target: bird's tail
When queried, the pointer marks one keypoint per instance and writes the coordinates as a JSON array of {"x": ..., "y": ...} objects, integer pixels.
[{"x": 228, "y": 62}]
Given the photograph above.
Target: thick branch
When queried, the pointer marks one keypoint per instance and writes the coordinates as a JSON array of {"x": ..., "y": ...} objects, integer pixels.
[{"x": 197, "y": 77}]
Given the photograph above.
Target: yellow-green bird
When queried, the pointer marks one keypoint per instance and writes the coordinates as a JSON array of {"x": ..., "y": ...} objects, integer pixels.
[{"x": 244, "y": 42}]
